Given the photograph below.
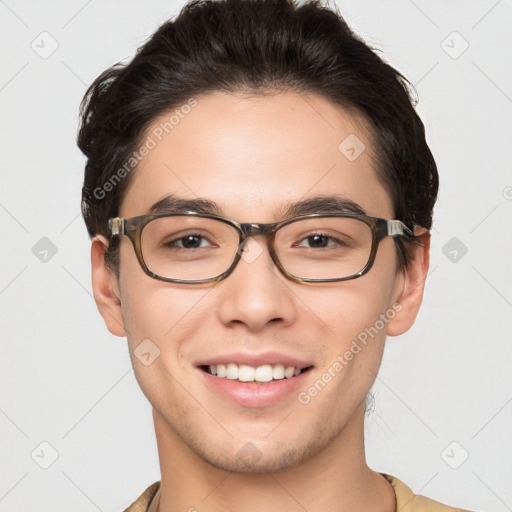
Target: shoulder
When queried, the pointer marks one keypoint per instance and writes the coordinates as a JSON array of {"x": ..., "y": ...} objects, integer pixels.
[
  {"x": 407, "y": 501},
  {"x": 142, "y": 503}
]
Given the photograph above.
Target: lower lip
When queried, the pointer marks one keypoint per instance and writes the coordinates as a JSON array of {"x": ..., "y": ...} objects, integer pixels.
[{"x": 254, "y": 394}]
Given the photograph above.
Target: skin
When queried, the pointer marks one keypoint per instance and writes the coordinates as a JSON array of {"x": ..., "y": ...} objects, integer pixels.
[{"x": 251, "y": 155}]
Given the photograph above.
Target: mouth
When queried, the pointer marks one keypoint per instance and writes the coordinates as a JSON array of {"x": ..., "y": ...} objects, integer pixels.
[
  {"x": 261, "y": 381},
  {"x": 264, "y": 373}
]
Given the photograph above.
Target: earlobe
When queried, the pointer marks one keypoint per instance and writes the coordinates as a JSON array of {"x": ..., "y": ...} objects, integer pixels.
[
  {"x": 411, "y": 284},
  {"x": 105, "y": 288}
]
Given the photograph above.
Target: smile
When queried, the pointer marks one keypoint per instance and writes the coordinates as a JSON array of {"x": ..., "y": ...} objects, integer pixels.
[{"x": 247, "y": 373}]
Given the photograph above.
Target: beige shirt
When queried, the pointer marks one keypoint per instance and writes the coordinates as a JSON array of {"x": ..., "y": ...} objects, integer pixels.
[{"x": 406, "y": 500}]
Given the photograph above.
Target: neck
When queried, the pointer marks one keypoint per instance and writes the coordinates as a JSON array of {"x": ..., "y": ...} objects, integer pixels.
[{"x": 337, "y": 479}]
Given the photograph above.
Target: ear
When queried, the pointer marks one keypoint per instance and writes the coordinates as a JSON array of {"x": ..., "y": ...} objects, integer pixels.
[
  {"x": 410, "y": 285},
  {"x": 106, "y": 288}
]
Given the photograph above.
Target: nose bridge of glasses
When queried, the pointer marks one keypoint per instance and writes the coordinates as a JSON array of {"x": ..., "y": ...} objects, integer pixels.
[{"x": 253, "y": 229}]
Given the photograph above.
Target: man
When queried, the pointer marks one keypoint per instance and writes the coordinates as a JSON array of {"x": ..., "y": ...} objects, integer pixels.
[{"x": 259, "y": 195}]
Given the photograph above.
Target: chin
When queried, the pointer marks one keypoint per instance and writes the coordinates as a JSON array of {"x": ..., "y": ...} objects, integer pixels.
[{"x": 251, "y": 459}]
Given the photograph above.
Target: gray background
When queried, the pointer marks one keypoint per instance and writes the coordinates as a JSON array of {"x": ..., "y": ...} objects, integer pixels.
[{"x": 444, "y": 391}]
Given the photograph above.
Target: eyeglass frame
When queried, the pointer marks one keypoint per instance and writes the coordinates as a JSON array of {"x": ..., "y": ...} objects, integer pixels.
[{"x": 380, "y": 228}]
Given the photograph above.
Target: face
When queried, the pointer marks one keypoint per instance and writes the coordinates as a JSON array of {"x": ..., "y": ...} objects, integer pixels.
[{"x": 252, "y": 156}]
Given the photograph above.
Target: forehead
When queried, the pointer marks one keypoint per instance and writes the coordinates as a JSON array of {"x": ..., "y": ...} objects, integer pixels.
[{"x": 251, "y": 155}]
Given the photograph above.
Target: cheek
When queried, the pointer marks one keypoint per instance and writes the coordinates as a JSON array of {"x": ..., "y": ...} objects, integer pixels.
[
  {"x": 351, "y": 349},
  {"x": 355, "y": 314},
  {"x": 346, "y": 309},
  {"x": 161, "y": 323},
  {"x": 160, "y": 311},
  {"x": 151, "y": 308}
]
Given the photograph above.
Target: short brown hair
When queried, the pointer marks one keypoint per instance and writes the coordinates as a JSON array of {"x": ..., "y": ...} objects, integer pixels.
[{"x": 253, "y": 45}]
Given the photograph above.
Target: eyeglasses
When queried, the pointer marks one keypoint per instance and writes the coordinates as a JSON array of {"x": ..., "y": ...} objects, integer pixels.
[{"x": 190, "y": 247}]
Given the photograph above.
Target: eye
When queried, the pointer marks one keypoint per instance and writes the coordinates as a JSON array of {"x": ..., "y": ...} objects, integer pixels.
[
  {"x": 317, "y": 240},
  {"x": 321, "y": 241},
  {"x": 191, "y": 241}
]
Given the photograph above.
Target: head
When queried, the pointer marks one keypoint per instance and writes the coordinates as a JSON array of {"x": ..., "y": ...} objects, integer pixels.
[{"x": 250, "y": 106}]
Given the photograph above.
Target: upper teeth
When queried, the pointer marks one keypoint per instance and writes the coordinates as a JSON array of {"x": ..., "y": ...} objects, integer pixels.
[{"x": 246, "y": 373}]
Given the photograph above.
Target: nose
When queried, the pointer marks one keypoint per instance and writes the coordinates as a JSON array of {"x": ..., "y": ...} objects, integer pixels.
[{"x": 256, "y": 294}]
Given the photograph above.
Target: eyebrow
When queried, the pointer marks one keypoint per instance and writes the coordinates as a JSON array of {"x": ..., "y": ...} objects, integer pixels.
[
  {"x": 322, "y": 204},
  {"x": 317, "y": 204},
  {"x": 173, "y": 204}
]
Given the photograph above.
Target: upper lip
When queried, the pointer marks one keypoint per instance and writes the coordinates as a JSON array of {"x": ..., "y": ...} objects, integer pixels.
[{"x": 255, "y": 360}]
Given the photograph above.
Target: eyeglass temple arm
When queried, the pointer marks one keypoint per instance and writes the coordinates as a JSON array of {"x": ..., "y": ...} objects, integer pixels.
[
  {"x": 397, "y": 227},
  {"x": 117, "y": 226}
]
